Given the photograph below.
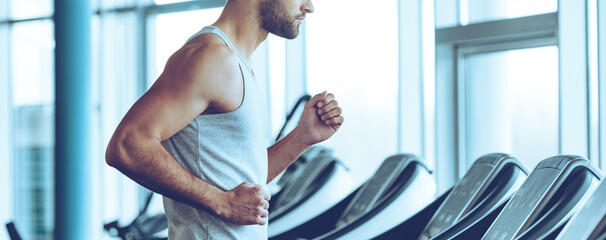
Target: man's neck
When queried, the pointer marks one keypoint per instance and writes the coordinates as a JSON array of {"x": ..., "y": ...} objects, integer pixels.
[{"x": 240, "y": 22}]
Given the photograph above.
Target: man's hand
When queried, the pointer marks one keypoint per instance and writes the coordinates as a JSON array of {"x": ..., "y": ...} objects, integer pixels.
[
  {"x": 245, "y": 204},
  {"x": 321, "y": 118}
]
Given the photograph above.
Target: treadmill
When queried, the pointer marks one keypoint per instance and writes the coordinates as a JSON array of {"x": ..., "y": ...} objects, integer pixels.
[
  {"x": 315, "y": 187},
  {"x": 401, "y": 180},
  {"x": 589, "y": 222},
  {"x": 471, "y": 205},
  {"x": 294, "y": 170},
  {"x": 489, "y": 183},
  {"x": 546, "y": 200}
]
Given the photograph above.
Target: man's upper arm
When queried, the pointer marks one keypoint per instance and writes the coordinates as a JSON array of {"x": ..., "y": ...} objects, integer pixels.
[{"x": 192, "y": 81}]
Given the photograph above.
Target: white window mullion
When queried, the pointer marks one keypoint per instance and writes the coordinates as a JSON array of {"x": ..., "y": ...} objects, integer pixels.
[
  {"x": 6, "y": 138},
  {"x": 410, "y": 78},
  {"x": 446, "y": 149},
  {"x": 593, "y": 86},
  {"x": 428, "y": 82},
  {"x": 572, "y": 36},
  {"x": 601, "y": 5},
  {"x": 462, "y": 112}
]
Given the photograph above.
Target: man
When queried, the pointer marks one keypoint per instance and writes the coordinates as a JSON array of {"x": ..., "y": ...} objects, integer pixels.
[{"x": 199, "y": 135}]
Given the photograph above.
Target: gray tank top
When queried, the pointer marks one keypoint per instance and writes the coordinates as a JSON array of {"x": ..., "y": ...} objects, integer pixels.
[{"x": 224, "y": 150}]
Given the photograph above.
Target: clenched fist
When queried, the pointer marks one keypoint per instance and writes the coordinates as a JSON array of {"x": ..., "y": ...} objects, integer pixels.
[
  {"x": 246, "y": 204},
  {"x": 321, "y": 118}
]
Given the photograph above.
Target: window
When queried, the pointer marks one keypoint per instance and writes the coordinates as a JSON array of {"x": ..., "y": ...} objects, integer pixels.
[
  {"x": 521, "y": 81},
  {"x": 356, "y": 58},
  {"x": 511, "y": 104},
  {"x": 27, "y": 82},
  {"x": 32, "y": 48},
  {"x": 33, "y": 113}
]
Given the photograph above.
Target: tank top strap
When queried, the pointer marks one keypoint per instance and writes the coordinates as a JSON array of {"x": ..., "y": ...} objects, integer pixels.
[{"x": 221, "y": 34}]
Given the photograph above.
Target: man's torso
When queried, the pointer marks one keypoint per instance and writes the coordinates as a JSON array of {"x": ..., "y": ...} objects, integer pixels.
[{"x": 223, "y": 149}]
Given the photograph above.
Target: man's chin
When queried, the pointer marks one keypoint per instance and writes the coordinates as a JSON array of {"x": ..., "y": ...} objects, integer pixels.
[
  {"x": 290, "y": 36},
  {"x": 293, "y": 34}
]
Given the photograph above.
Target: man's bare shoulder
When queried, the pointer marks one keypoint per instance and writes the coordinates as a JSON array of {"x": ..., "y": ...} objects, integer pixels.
[
  {"x": 209, "y": 68},
  {"x": 205, "y": 55}
]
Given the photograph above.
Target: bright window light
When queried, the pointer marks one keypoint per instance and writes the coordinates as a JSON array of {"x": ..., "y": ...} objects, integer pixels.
[
  {"x": 352, "y": 51},
  {"x": 488, "y": 10},
  {"x": 512, "y": 104}
]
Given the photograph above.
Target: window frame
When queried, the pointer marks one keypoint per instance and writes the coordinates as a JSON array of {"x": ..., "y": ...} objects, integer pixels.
[
  {"x": 567, "y": 28},
  {"x": 462, "y": 54},
  {"x": 452, "y": 44}
]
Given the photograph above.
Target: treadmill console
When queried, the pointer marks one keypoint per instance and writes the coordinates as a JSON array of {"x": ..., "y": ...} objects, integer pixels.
[
  {"x": 468, "y": 193},
  {"x": 545, "y": 199},
  {"x": 371, "y": 192}
]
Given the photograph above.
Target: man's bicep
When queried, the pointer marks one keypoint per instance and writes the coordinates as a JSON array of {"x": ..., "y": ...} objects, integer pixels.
[
  {"x": 190, "y": 84},
  {"x": 168, "y": 107}
]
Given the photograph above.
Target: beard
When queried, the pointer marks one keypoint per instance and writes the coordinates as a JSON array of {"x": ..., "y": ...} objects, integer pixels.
[{"x": 275, "y": 19}]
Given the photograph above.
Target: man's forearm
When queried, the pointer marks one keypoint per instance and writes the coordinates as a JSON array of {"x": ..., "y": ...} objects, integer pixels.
[
  {"x": 283, "y": 153},
  {"x": 149, "y": 164}
]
